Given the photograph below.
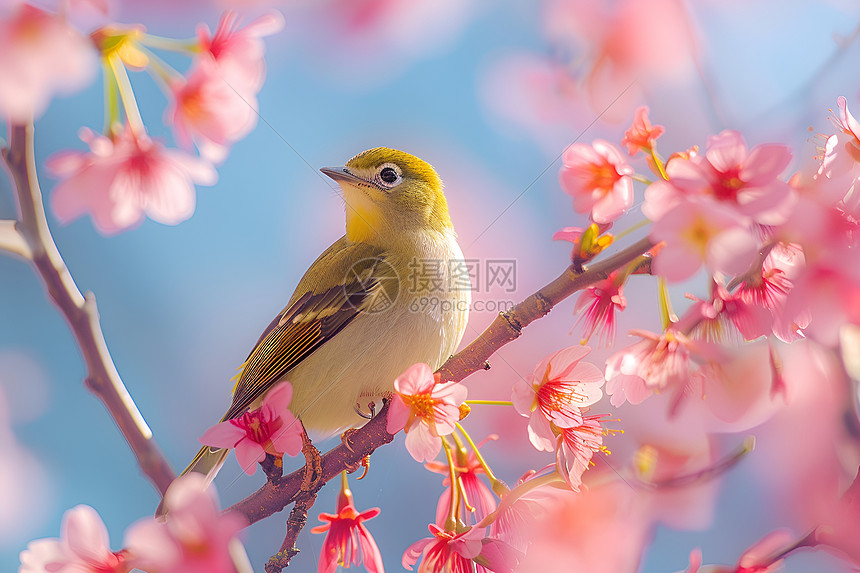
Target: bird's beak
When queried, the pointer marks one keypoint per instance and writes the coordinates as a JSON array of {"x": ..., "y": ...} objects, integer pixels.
[{"x": 342, "y": 174}]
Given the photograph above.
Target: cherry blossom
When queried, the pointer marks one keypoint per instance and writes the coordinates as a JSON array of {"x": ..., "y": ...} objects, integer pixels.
[
  {"x": 83, "y": 547},
  {"x": 239, "y": 51},
  {"x": 554, "y": 393},
  {"x": 752, "y": 320},
  {"x": 696, "y": 232},
  {"x": 195, "y": 536},
  {"x": 598, "y": 304},
  {"x": 598, "y": 179},
  {"x": 655, "y": 363},
  {"x": 40, "y": 55},
  {"x": 514, "y": 524},
  {"x": 745, "y": 181},
  {"x": 769, "y": 290},
  {"x": 123, "y": 178},
  {"x": 270, "y": 429},
  {"x": 601, "y": 529},
  {"x": 641, "y": 136},
  {"x": 615, "y": 53},
  {"x": 479, "y": 500},
  {"x": 576, "y": 446},
  {"x": 840, "y": 166},
  {"x": 208, "y": 111},
  {"x": 465, "y": 552},
  {"x": 425, "y": 408},
  {"x": 829, "y": 289},
  {"x": 347, "y": 541}
]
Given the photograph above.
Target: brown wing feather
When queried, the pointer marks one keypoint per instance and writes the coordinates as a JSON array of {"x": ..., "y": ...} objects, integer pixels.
[{"x": 317, "y": 311}]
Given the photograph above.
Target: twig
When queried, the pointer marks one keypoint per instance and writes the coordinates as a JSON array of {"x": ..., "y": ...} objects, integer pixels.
[
  {"x": 12, "y": 241},
  {"x": 79, "y": 310},
  {"x": 509, "y": 325},
  {"x": 276, "y": 495}
]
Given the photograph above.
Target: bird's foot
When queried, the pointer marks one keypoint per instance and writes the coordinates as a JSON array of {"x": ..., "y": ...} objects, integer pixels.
[
  {"x": 313, "y": 465},
  {"x": 347, "y": 436},
  {"x": 365, "y": 463},
  {"x": 371, "y": 406},
  {"x": 273, "y": 467}
]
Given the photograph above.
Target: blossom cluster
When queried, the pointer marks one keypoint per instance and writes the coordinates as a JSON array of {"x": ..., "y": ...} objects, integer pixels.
[
  {"x": 194, "y": 537},
  {"x": 778, "y": 250},
  {"x": 127, "y": 175}
]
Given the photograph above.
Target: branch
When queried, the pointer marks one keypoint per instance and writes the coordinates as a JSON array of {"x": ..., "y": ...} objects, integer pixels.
[
  {"x": 508, "y": 325},
  {"x": 80, "y": 311},
  {"x": 276, "y": 494},
  {"x": 12, "y": 241}
]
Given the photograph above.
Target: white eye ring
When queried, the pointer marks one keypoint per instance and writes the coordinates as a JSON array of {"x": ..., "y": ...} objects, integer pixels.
[{"x": 384, "y": 174}]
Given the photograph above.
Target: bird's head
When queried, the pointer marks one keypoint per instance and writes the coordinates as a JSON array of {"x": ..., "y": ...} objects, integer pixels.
[{"x": 389, "y": 192}]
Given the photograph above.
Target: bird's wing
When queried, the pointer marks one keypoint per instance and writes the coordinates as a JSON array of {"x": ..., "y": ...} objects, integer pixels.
[{"x": 320, "y": 308}]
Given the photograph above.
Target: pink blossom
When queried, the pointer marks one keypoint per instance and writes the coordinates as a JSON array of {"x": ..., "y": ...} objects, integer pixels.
[
  {"x": 641, "y": 136},
  {"x": 206, "y": 110},
  {"x": 754, "y": 560},
  {"x": 553, "y": 394},
  {"x": 598, "y": 179},
  {"x": 464, "y": 552},
  {"x": 599, "y": 302},
  {"x": 655, "y": 363},
  {"x": 347, "y": 541},
  {"x": 479, "y": 501},
  {"x": 752, "y": 320},
  {"x": 842, "y": 524},
  {"x": 743, "y": 181},
  {"x": 576, "y": 446},
  {"x": 270, "y": 429},
  {"x": 239, "y": 52},
  {"x": 515, "y": 523},
  {"x": 840, "y": 166},
  {"x": 122, "y": 178},
  {"x": 769, "y": 290},
  {"x": 829, "y": 289},
  {"x": 696, "y": 232},
  {"x": 602, "y": 529},
  {"x": 194, "y": 537},
  {"x": 40, "y": 54},
  {"x": 616, "y": 52},
  {"x": 426, "y": 409},
  {"x": 83, "y": 547}
]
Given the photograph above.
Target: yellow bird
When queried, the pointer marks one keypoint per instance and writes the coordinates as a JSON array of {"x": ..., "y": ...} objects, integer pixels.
[{"x": 393, "y": 291}]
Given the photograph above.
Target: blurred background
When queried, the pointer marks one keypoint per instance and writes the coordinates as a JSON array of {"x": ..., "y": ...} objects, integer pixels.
[{"x": 490, "y": 93}]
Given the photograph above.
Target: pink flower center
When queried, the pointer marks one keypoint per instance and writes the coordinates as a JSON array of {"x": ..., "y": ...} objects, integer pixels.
[
  {"x": 603, "y": 176},
  {"x": 727, "y": 185},
  {"x": 556, "y": 396},
  {"x": 421, "y": 405},
  {"x": 192, "y": 104},
  {"x": 697, "y": 234},
  {"x": 259, "y": 428}
]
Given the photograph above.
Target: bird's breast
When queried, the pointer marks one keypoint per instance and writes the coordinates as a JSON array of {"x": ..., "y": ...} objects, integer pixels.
[{"x": 418, "y": 316}]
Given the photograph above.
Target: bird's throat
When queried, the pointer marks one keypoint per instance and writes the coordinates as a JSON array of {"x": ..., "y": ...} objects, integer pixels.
[{"x": 363, "y": 219}]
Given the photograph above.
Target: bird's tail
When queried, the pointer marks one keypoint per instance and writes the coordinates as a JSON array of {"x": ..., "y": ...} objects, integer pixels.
[{"x": 207, "y": 462}]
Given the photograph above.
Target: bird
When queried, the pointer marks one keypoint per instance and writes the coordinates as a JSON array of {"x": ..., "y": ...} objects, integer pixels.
[{"x": 393, "y": 291}]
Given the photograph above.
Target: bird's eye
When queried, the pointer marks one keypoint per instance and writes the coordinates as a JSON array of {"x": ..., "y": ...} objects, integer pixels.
[{"x": 388, "y": 175}]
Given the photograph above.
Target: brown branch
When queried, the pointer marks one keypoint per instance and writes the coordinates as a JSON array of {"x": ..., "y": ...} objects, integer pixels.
[
  {"x": 277, "y": 494},
  {"x": 79, "y": 310},
  {"x": 509, "y": 325}
]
